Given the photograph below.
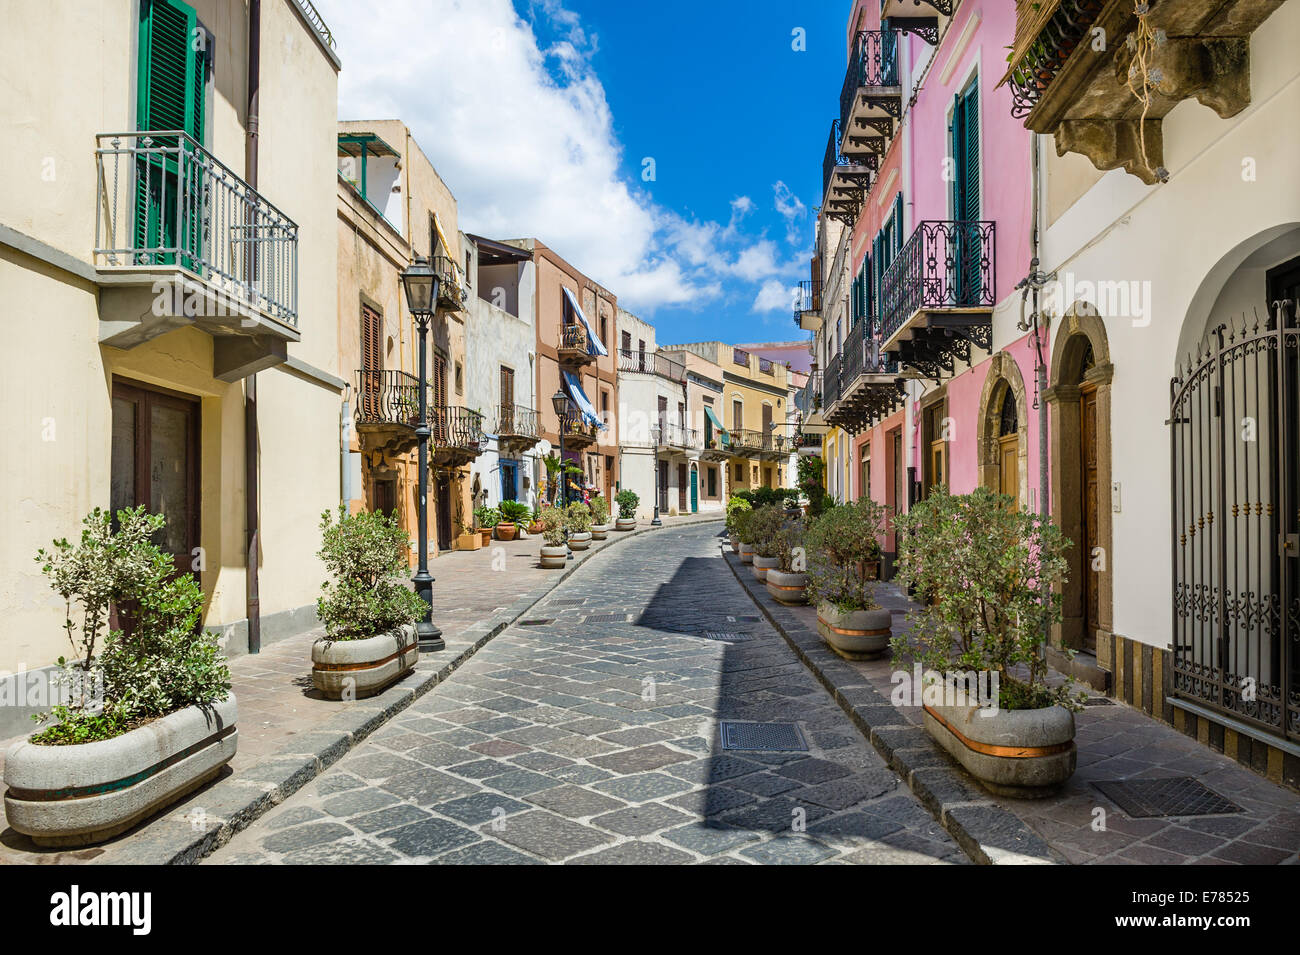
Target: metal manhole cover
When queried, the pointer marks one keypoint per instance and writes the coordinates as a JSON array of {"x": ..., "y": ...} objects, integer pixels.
[
  {"x": 566, "y": 602},
  {"x": 1098, "y": 701},
  {"x": 726, "y": 636},
  {"x": 539, "y": 622},
  {"x": 605, "y": 618},
  {"x": 763, "y": 737},
  {"x": 1173, "y": 796}
]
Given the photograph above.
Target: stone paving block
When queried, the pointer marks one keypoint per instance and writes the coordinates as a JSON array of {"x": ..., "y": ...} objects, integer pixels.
[
  {"x": 426, "y": 786},
  {"x": 991, "y": 834},
  {"x": 639, "y": 760},
  {"x": 304, "y": 836},
  {"x": 428, "y": 837},
  {"x": 635, "y": 853},
  {"x": 788, "y": 850},
  {"x": 574, "y": 801},
  {"x": 343, "y": 852},
  {"x": 641, "y": 820},
  {"x": 486, "y": 852},
  {"x": 550, "y": 836},
  {"x": 390, "y": 818},
  {"x": 480, "y": 807},
  {"x": 642, "y": 787},
  {"x": 357, "y": 801}
]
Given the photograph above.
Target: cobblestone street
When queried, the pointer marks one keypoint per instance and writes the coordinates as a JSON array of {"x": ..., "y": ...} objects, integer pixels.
[{"x": 589, "y": 732}]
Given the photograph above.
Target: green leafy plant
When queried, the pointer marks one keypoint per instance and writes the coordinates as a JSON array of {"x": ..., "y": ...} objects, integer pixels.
[
  {"x": 741, "y": 521},
  {"x": 552, "y": 521},
  {"x": 839, "y": 543},
  {"x": 991, "y": 576},
  {"x": 791, "y": 549},
  {"x": 366, "y": 556},
  {"x": 577, "y": 517},
  {"x": 486, "y": 516},
  {"x": 627, "y": 501},
  {"x": 764, "y": 527},
  {"x": 599, "y": 510},
  {"x": 160, "y": 663},
  {"x": 514, "y": 512}
]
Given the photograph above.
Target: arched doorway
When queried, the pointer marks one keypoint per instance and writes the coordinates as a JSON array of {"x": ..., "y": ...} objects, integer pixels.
[
  {"x": 1079, "y": 400},
  {"x": 1001, "y": 436}
]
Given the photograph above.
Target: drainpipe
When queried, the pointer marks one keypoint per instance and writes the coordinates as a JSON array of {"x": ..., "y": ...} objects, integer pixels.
[{"x": 250, "y": 383}]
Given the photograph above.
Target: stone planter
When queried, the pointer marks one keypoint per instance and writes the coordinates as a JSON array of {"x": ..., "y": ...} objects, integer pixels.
[
  {"x": 580, "y": 541},
  {"x": 599, "y": 532},
  {"x": 787, "y": 588},
  {"x": 625, "y": 524},
  {"x": 761, "y": 565},
  {"x": 746, "y": 553},
  {"x": 506, "y": 531},
  {"x": 80, "y": 794},
  {"x": 858, "y": 635},
  {"x": 735, "y": 544},
  {"x": 554, "y": 557},
  {"x": 358, "y": 668},
  {"x": 1022, "y": 753}
]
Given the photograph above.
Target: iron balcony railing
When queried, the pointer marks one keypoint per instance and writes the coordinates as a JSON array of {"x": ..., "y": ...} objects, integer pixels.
[
  {"x": 575, "y": 426},
  {"x": 804, "y": 440},
  {"x": 862, "y": 355},
  {"x": 652, "y": 363},
  {"x": 807, "y": 298},
  {"x": 453, "y": 290},
  {"x": 873, "y": 61},
  {"x": 317, "y": 21},
  {"x": 455, "y": 427},
  {"x": 740, "y": 357},
  {"x": 943, "y": 265},
  {"x": 164, "y": 200},
  {"x": 808, "y": 399},
  {"x": 765, "y": 366},
  {"x": 832, "y": 158},
  {"x": 676, "y": 436},
  {"x": 831, "y": 382},
  {"x": 573, "y": 337},
  {"x": 517, "y": 421},
  {"x": 746, "y": 440},
  {"x": 1048, "y": 51},
  {"x": 387, "y": 397}
]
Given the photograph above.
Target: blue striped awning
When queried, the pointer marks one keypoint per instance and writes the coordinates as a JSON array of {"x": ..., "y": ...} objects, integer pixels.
[
  {"x": 594, "y": 345},
  {"x": 574, "y": 387}
]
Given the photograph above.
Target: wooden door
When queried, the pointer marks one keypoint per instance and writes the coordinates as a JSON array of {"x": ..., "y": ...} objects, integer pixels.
[
  {"x": 767, "y": 426},
  {"x": 372, "y": 363},
  {"x": 1009, "y": 469},
  {"x": 443, "y": 523},
  {"x": 1088, "y": 488},
  {"x": 439, "y": 418},
  {"x": 681, "y": 488},
  {"x": 385, "y": 496},
  {"x": 507, "y": 415}
]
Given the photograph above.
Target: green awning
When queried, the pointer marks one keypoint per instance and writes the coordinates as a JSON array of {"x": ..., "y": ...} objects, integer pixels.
[{"x": 722, "y": 432}]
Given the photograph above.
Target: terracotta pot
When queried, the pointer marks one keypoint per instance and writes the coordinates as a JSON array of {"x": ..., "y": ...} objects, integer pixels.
[
  {"x": 536, "y": 527},
  {"x": 486, "y": 534},
  {"x": 787, "y": 588},
  {"x": 857, "y": 635},
  {"x": 1023, "y": 753},
  {"x": 506, "y": 531},
  {"x": 761, "y": 565}
]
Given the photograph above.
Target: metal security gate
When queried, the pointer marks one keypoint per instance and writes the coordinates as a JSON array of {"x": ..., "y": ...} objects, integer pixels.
[{"x": 1236, "y": 549}]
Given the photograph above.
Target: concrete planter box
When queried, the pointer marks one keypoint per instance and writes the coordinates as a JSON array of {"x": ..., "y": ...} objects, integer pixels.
[
  {"x": 761, "y": 565},
  {"x": 858, "y": 635},
  {"x": 599, "y": 532},
  {"x": 85, "y": 793},
  {"x": 1023, "y": 753},
  {"x": 625, "y": 524},
  {"x": 787, "y": 588},
  {"x": 746, "y": 553},
  {"x": 472, "y": 541},
  {"x": 358, "y": 668},
  {"x": 580, "y": 541},
  {"x": 554, "y": 557}
]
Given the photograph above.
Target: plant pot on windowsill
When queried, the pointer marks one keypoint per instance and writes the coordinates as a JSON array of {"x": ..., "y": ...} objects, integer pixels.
[
  {"x": 625, "y": 524},
  {"x": 505, "y": 531},
  {"x": 352, "y": 669},
  {"x": 82, "y": 793},
  {"x": 580, "y": 541},
  {"x": 553, "y": 556},
  {"x": 857, "y": 634},
  {"x": 599, "y": 532},
  {"x": 787, "y": 588},
  {"x": 761, "y": 565},
  {"x": 1027, "y": 754},
  {"x": 746, "y": 553}
]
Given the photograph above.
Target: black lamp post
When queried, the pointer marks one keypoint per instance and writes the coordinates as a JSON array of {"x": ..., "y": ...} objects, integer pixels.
[
  {"x": 560, "y": 402},
  {"x": 421, "y": 285}
]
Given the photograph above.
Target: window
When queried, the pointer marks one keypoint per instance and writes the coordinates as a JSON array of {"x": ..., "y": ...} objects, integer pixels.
[
  {"x": 935, "y": 442},
  {"x": 711, "y": 480},
  {"x": 460, "y": 379},
  {"x": 865, "y": 476},
  {"x": 740, "y": 472},
  {"x": 625, "y": 341},
  {"x": 604, "y": 328},
  {"x": 737, "y": 414},
  {"x": 507, "y": 391},
  {"x": 468, "y": 281}
]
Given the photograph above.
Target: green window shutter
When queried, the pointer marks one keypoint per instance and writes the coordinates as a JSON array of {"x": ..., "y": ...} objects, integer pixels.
[
  {"x": 898, "y": 226},
  {"x": 971, "y": 165}
]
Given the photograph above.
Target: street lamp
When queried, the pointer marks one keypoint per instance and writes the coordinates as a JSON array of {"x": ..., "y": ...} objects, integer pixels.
[
  {"x": 420, "y": 283},
  {"x": 655, "y": 521},
  {"x": 561, "y": 402}
]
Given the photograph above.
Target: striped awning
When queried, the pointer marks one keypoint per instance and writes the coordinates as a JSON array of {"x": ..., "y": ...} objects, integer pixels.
[
  {"x": 594, "y": 345},
  {"x": 574, "y": 388},
  {"x": 1031, "y": 17}
]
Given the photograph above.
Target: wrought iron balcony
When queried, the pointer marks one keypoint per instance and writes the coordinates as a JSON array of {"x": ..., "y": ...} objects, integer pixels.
[
  {"x": 671, "y": 435},
  {"x": 457, "y": 435},
  {"x": 163, "y": 201},
  {"x": 938, "y": 294},
  {"x": 809, "y": 398},
  {"x": 453, "y": 290},
  {"x": 870, "y": 386},
  {"x": 651, "y": 363},
  {"x": 871, "y": 99},
  {"x": 902, "y": 16},
  {"x": 578, "y": 431},
  {"x": 845, "y": 181},
  {"x": 517, "y": 426},
  {"x": 1051, "y": 42},
  {"x": 808, "y": 305},
  {"x": 831, "y": 382},
  {"x": 745, "y": 442},
  {"x": 574, "y": 342},
  {"x": 387, "y": 409}
]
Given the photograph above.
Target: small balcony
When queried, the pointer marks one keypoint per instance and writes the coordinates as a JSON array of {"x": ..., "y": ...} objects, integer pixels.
[
  {"x": 578, "y": 431},
  {"x": 517, "y": 428},
  {"x": 870, "y": 384},
  {"x": 929, "y": 25},
  {"x": 651, "y": 363},
  {"x": 575, "y": 344},
  {"x": 457, "y": 436},
  {"x": 808, "y": 305},
  {"x": 1064, "y": 87},
  {"x": 937, "y": 297},
  {"x": 387, "y": 410},
  {"x": 831, "y": 382},
  {"x": 845, "y": 181},
  {"x": 746, "y": 443},
  {"x": 453, "y": 290},
  {"x": 168, "y": 213},
  {"x": 675, "y": 437},
  {"x": 871, "y": 99}
]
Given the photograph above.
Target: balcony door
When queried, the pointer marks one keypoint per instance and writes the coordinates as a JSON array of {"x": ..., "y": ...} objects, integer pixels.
[
  {"x": 507, "y": 400},
  {"x": 965, "y": 139},
  {"x": 155, "y": 462},
  {"x": 372, "y": 364},
  {"x": 681, "y": 488},
  {"x": 440, "y": 416}
]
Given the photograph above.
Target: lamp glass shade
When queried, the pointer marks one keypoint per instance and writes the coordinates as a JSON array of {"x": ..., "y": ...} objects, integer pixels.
[
  {"x": 421, "y": 284},
  {"x": 560, "y": 402}
]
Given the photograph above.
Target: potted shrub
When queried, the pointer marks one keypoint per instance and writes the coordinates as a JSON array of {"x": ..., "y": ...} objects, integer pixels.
[
  {"x": 467, "y": 538},
  {"x": 848, "y": 617},
  {"x": 765, "y": 526},
  {"x": 991, "y": 576},
  {"x": 487, "y": 519},
  {"x": 627, "y": 501},
  {"x": 147, "y": 716},
  {"x": 554, "y": 553},
  {"x": 788, "y": 581},
  {"x": 577, "y": 518},
  {"x": 536, "y": 526},
  {"x": 368, "y": 611},
  {"x": 553, "y": 468},
  {"x": 735, "y": 505},
  {"x": 513, "y": 515},
  {"x": 599, "y": 518},
  {"x": 743, "y": 520}
]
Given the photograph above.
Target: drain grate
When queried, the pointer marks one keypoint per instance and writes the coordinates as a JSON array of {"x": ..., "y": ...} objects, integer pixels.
[
  {"x": 605, "y": 618},
  {"x": 1098, "y": 701},
  {"x": 726, "y": 636},
  {"x": 538, "y": 622},
  {"x": 566, "y": 602},
  {"x": 763, "y": 737},
  {"x": 1173, "y": 796}
]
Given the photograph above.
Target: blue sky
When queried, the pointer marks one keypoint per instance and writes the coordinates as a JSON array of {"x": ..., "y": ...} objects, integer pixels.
[{"x": 541, "y": 114}]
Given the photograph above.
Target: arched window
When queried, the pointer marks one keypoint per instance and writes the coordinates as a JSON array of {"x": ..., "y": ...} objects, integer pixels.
[{"x": 1008, "y": 421}]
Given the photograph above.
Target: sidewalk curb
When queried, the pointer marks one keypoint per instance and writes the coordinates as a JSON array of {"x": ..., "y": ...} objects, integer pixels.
[
  {"x": 986, "y": 832},
  {"x": 187, "y": 833}
]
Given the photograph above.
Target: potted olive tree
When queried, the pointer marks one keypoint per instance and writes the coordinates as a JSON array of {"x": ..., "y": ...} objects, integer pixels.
[
  {"x": 627, "y": 501},
  {"x": 765, "y": 526},
  {"x": 577, "y": 518},
  {"x": 368, "y": 611},
  {"x": 990, "y": 577},
  {"x": 735, "y": 506},
  {"x": 848, "y": 617},
  {"x": 554, "y": 553},
  {"x": 147, "y": 713},
  {"x": 599, "y": 518},
  {"x": 788, "y": 581}
]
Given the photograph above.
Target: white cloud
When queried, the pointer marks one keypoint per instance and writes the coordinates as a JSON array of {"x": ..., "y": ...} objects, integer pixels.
[{"x": 775, "y": 295}]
